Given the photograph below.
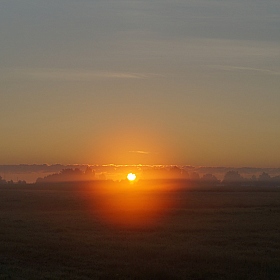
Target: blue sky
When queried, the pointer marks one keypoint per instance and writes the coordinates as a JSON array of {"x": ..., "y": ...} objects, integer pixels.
[{"x": 185, "y": 82}]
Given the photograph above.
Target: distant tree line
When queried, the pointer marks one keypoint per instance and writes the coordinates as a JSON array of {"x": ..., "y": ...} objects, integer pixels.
[
  {"x": 69, "y": 175},
  {"x": 11, "y": 182},
  {"x": 263, "y": 179},
  {"x": 231, "y": 177}
]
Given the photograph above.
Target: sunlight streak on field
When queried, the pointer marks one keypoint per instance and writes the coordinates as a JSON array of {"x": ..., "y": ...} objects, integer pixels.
[{"x": 119, "y": 205}]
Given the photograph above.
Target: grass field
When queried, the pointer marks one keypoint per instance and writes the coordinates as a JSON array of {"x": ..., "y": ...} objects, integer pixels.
[{"x": 113, "y": 231}]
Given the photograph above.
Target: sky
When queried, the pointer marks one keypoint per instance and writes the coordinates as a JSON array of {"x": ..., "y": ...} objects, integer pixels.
[{"x": 140, "y": 82}]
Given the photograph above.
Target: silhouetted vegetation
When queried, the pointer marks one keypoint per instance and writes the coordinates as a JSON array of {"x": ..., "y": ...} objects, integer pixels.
[
  {"x": 234, "y": 178},
  {"x": 231, "y": 177},
  {"x": 11, "y": 182},
  {"x": 69, "y": 175},
  {"x": 30, "y": 173}
]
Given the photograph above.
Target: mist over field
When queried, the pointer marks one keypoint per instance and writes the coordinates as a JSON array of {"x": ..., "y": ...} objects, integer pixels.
[{"x": 30, "y": 173}]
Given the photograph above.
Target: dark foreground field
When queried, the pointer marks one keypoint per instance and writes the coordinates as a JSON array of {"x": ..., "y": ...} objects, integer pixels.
[{"x": 144, "y": 231}]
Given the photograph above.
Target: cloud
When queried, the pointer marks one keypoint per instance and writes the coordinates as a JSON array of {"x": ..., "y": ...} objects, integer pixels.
[
  {"x": 76, "y": 75},
  {"x": 139, "y": 152},
  {"x": 241, "y": 68}
]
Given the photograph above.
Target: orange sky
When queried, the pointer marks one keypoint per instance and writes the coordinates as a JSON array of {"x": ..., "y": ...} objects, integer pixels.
[{"x": 139, "y": 82}]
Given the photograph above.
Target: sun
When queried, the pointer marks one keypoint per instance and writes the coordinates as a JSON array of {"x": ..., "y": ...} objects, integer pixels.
[{"x": 131, "y": 177}]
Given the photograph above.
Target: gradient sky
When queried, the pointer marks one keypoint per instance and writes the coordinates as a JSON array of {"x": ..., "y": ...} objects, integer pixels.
[{"x": 128, "y": 82}]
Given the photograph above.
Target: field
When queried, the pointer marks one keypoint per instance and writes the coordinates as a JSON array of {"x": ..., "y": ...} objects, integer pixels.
[{"x": 148, "y": 230}]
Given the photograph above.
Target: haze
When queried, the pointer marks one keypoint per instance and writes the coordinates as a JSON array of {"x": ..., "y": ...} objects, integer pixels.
[{"x": 140, "y": 82}]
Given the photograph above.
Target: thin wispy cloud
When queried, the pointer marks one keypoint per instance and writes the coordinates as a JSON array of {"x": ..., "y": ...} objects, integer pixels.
[
  {"x": 77, "y": 75},
  {"x": 140, "y": 152},
  {"x": 245, "y": 69}
]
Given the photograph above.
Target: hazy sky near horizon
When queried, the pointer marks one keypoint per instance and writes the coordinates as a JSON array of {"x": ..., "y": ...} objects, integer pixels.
[{"x": 128, "y": 82}]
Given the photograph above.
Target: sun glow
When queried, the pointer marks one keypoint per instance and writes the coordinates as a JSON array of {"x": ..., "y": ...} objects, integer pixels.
[
  {"x": 126, "y": 204},
  {"x": 131, "y": 177}
]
